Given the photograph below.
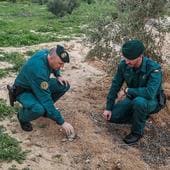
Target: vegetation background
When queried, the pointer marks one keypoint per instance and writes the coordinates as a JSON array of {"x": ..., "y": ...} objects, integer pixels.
[{"x": 102, "y": 24}]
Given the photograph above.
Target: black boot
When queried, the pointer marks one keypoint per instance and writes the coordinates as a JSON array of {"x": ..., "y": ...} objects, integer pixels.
[
  {"x": 26, "y": 126},
  {"x": 132, "y": 138}
]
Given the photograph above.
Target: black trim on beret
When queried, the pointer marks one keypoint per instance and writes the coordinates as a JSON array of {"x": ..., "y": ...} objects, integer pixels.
[{"x": 64, "y": 56}]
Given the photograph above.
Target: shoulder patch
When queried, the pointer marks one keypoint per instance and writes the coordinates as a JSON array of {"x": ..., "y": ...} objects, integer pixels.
[
  {"x": 156, "y": 71},
  {"x": 44, "y": 85}
]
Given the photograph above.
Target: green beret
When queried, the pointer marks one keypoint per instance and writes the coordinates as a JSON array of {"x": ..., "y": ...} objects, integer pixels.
[
  {"x": 64, "y": 56},
  {"x": 132, "y": 49}
]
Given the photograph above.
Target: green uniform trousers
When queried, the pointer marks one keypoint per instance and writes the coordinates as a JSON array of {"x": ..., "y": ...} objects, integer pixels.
[
  {"x": 134, "y": 111},
  {"x": 32, "y": 108}
]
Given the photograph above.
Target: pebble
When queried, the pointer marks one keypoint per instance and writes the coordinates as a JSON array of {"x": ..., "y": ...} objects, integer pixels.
[
  {"x": 163, "y": 150},
  {"x": 87, "y": 161},
  {"x": 72, "y": 137}
]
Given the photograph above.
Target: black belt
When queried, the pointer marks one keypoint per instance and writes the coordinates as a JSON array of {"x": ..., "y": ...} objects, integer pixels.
[
  {"x": 14, "y": 91},
  {"x": 18, "y": 90}
]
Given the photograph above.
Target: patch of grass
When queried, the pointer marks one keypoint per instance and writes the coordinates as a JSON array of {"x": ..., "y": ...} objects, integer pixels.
[
  {"x": 10, "y": 149},
  {"x": 13, "y": 167},
  {"x": 26, "y": 23},
  {"x": 14, "y": 58},
  {"x": 30, "y": 53},
  {"x": 3, "y": 73},
  {"x": 2, "y": 129},
  {"x": 5, "y": 111},
  {"x": 42, "y": 126}
]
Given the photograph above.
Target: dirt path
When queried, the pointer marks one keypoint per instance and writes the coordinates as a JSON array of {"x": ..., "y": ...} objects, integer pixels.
[{"x": 96, "y": 146}]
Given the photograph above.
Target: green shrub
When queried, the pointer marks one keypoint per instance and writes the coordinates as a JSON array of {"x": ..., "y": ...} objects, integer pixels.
[
  {"x": 41, "y": 2},
  {"x": 133, "y": 21},
  {"x": 5, "y": 111},
  {"x": 10, "y": 149},
  {"x": 89, "y": 1},
  {"x": 3, "y": 73},
  {"x": 62, "y": 7},
  {"x": 14, "y": 58},
  {"x": 13, "y": 1}
]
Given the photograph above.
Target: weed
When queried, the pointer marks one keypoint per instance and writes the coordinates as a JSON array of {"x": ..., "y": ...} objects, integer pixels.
[
  {"x": 26, "y": 24},
  {"x": 10, "y": 149},
  {"x": 3, "y": 73},
  {"x": 14, "y": 58},
  {"x": 5, "y": 111},
  {"x": 30, "y": 53}
]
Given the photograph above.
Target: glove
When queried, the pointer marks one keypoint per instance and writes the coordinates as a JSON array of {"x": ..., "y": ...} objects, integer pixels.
[{"x": 68, "y": 129}]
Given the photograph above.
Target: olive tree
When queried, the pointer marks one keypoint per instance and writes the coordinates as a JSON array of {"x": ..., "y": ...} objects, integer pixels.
[{"x": 141, "y": 19}]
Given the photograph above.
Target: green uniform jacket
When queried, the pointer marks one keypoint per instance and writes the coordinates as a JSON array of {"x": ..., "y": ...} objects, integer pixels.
[
  {"x": 34, "y": 74},
  {"x": 143, "y": 82}
]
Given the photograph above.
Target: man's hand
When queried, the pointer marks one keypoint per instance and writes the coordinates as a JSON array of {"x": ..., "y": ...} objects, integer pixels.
[
  {"x": 62, "y": 81},
  {"x": 121, "y": 95},
  {"x": 68, "y": 129},
  {"x": 107, "y": 114}
]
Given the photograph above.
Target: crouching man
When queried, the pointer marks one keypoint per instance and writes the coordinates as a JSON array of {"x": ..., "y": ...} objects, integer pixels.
[
  {"x": 143, "y": 78},
  {"x": 37, "y": 92}
]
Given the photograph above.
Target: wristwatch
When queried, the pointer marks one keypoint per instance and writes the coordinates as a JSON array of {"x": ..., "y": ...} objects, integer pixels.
[{"x": 126, "y": 92}]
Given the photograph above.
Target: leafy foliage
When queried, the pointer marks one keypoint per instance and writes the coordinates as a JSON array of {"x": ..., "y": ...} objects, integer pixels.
[
  {"x": 3, "y": 73},
  {"x": 14, "y": 58},
  {"x": 30, "y": 23},
  {"x": 89, "y": 1},
  {"x": 41, "y": 2},
  {"x": 62, "y": 7},
  {"x": 139, "y": 19},
  {"x": 10, "y": 149},
  {"x": 5, "y": 111}
]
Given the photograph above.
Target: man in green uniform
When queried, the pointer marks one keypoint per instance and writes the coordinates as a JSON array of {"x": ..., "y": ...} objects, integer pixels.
[
  {"x": 143, "y": 78},
  {"x": 37, "y": 92}
]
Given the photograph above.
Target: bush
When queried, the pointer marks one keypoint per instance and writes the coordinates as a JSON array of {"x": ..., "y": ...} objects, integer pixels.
[
  {"x": 134, "y": 20},
  {"x": 14, "y": 58},
  {"x": 62, "y": 7},
  {"x": 41, "y": 2},
  {"x": 5, "y": 110},
  {"x": 10, "y": 149},
  {"x": 13, "y": 1},
  {"x": 89, "y": 1}
]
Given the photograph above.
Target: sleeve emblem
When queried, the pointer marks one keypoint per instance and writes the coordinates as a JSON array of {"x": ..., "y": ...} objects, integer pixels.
[{"x": 44, "y": 85}]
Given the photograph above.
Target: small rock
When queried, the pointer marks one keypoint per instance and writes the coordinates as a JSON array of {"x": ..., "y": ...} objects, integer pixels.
[
  {"x": 118, "y": 165},
  {"x": 14, "y": 131},
  {"x": 39, "y": 155},
  {"x": 163, "y": 150},
  {"x": 64, "y": 140},
  {"x": 98, "y": 165},
  {"x": 72, "y": 137},
  {"x": 87, "y": 161},
  {"x": 26, "y": 168},
  {"x": 74, "y": 67},
  {"x": 38, "y": 145},
  {"x": 163, "y": 124},
  {"x": 27, "y": 143},
  {"x": 33, "y": 159}
]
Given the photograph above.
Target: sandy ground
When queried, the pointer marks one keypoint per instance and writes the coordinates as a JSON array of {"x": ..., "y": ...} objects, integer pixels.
[{"x": 98, "y": 145}]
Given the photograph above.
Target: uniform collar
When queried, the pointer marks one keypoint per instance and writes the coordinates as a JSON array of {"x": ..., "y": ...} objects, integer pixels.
[
  {"x": 46, "y": 59},
  {"x": 143, "y": 65}
]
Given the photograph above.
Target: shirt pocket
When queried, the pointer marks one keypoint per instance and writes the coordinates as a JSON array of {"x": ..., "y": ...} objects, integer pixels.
[
  {"x": 128, "y": 78},
  {"x": 143, "y": 80}
]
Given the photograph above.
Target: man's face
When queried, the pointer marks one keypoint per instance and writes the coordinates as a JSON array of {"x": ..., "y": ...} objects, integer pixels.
[
  {"x": 133, "y": 63},
  {"x": 56, "y": 63}
]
